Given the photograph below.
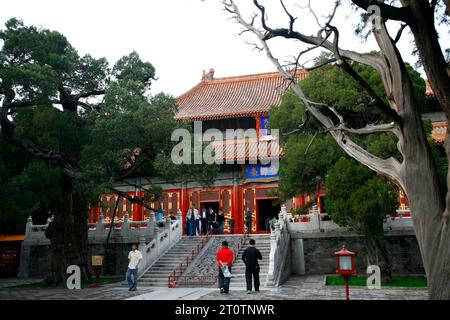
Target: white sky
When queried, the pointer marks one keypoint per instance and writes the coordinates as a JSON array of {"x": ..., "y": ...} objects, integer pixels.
[{"x": 179, "y": 37}]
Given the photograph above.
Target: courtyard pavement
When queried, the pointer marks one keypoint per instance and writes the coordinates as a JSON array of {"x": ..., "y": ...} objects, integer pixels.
[{"x": 296, "y": 288}]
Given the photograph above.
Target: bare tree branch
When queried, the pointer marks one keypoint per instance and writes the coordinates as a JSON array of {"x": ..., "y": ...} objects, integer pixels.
[
  {"x": 389, "y": 167},
  {"x": 386, "y": 11}
]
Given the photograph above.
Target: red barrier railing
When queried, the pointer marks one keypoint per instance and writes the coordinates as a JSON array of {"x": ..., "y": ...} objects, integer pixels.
[
  {"x": 176, "y": 276},
  {"x": 177, "y": 273}
]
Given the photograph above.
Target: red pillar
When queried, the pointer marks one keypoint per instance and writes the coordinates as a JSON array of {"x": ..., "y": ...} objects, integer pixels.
[
  {"x": 236, "y": 208},
  {"x": 184, "y": 205},
  {"x": 258, "y": 126},
  {"x": 139, "y": 210}
]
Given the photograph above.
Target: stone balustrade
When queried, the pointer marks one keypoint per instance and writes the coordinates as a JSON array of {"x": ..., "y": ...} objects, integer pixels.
[
  {"x": 321, "y": 222},
  {"x": 164, "y": 239},
  {"x": 126, "y": 229},
  {"x": 279, "y": 250}
]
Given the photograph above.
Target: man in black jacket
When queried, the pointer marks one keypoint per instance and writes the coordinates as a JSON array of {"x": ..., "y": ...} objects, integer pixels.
[{"x": 250, "y": 257}]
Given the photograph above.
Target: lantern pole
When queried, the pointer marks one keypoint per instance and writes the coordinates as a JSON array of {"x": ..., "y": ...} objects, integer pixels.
[{"x": 347, "y": 293}]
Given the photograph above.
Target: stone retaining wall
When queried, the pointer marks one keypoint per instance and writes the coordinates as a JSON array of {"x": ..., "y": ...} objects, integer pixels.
[
  {"x": 314, "y": 254},
  {"x": 36, "y": 259}
]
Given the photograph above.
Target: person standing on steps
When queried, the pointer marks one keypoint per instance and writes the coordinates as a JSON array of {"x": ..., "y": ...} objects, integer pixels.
[
  {"x": 250, "y": 256},
  {"x": 231, "y": 225},
  {"x": 248, "y": 220},
  {"x": 225, "y": 258},
  {"x": 203, "y": 221},
  {"x": 197, "y": 221},
  {"x": 221, "y": 221},
  {"x": 134, "y": 258}
]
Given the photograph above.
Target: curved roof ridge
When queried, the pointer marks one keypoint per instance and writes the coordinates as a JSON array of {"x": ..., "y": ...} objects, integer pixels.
[{"x": 237, "y": 96}]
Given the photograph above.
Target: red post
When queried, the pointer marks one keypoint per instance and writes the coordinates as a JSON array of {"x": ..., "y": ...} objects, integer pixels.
[
  {"x": 347, "y": 294},
  {"x": 258, "y": 126}
]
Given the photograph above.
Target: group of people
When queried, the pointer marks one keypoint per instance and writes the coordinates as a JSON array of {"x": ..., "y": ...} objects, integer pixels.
[
  {"x": 225, "y": 258},
  {"x": 198, "y": 223},
  {"x": 250, "y": 256}
]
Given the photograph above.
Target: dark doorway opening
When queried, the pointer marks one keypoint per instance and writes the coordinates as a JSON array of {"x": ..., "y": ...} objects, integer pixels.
[
  {"x": 267, "y": 210},
  {"x": 206, "y": 205}
]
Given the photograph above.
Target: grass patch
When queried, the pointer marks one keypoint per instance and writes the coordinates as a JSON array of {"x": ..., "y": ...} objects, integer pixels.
[
  {"x": 396, "y": 282},
  {"x": 86, "y": 284}
]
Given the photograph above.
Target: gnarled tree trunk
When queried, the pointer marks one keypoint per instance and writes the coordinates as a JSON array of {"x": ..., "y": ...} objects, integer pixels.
[
  {"x": 416, "y": 174},
  {"x": 377, "y": 254},
  {"x": 68, "y": 235}
]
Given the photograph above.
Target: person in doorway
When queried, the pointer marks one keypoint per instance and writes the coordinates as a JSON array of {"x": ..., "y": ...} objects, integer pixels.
[
  {"x": 203, "y": 220},
  {"x": 250, "y": 257},
  {"x": 225, "y": 258},
  {"x": 191, "y": 218},
  {"x": 134, "y": 259},
  {"x": 248, "y": 220},
  {"x": 197, "y": 221},
  {"x": 221, "y": 221},
  {"x": 231, "y": 225},
  {"x": 267, "y": 224},
  {"x": 209, "y": 214},
  {"x": 212, "y": 218}
]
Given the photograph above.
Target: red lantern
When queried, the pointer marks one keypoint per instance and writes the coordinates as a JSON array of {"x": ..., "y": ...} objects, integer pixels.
[{"x": 345, "y": 262}]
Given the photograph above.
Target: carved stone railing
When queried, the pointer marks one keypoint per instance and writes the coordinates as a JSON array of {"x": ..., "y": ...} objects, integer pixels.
[
  {"x": 164, "y": 239},
  {"x": 402, "y": 220},
  {"x": 279, "y": 248},
  {"x": 321, "y": 222},
  {"x": 125, "y": 230}
]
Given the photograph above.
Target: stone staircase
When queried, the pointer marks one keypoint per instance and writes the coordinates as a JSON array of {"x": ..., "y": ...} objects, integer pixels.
[
  {"x": 238, "y": 270},
  {"x": 158, "y": 274}
]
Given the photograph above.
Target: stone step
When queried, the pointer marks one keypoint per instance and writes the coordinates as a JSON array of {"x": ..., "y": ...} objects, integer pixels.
[
  {"x": 170, "y": 259},
  {"x": 168, "y": 266}
]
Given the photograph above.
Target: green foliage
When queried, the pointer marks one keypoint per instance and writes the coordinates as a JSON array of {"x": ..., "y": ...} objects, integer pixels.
[
  {"x": 116, "y": 122},
  {"x": 356, "y": 197},
  {"x": 383, "y": 145},
  {"x": 306, "y": 162},
  {"x": 29, "y": 193}
]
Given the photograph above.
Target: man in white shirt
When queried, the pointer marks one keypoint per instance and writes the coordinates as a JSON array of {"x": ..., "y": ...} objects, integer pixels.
[{"x": 134, "y": 259}]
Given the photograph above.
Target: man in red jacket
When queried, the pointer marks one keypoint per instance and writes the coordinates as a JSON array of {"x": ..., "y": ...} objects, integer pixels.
[{"x": 225, "y": 257}]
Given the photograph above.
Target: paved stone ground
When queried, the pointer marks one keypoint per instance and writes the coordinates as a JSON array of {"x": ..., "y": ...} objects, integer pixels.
[
  {"x": 112, "y": 291},
  {"x": 296, "y": 288},
  {"x": 11, "y": 282},
  {"x": 313, "y": 288}
]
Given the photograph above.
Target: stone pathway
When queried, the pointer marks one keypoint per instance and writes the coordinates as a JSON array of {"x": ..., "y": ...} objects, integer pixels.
[
  {"x": 296, "y": 288},
  {"x": 105, "y": 292},
  {"x": 12, "y": 282},
  {"x": 313, "y": 288}
]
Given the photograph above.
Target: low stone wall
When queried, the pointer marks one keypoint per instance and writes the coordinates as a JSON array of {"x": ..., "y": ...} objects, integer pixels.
[
  {"x": 36, "y": 259},
  {"x": 314, "y": 253}
]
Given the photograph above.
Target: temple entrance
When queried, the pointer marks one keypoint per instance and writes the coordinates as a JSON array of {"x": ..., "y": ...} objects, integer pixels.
[
  {"x": 267, "y": 209},
  {"x": 214, "y": 205}
]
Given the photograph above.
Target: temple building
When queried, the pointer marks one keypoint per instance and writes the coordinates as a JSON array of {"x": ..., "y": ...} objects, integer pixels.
[{"x": 247, "y": 178}]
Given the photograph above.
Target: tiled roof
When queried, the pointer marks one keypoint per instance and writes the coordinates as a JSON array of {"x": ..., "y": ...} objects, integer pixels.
[
  {"x": 439, "y": 131},
  {"x": 233, "y": 96},
  {"x": 246, "y": 150},
  {"x": 16, "y": 237}
]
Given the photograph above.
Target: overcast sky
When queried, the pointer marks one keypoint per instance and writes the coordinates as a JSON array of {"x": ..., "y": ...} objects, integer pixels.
[{"x": 179, "y": 37}]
